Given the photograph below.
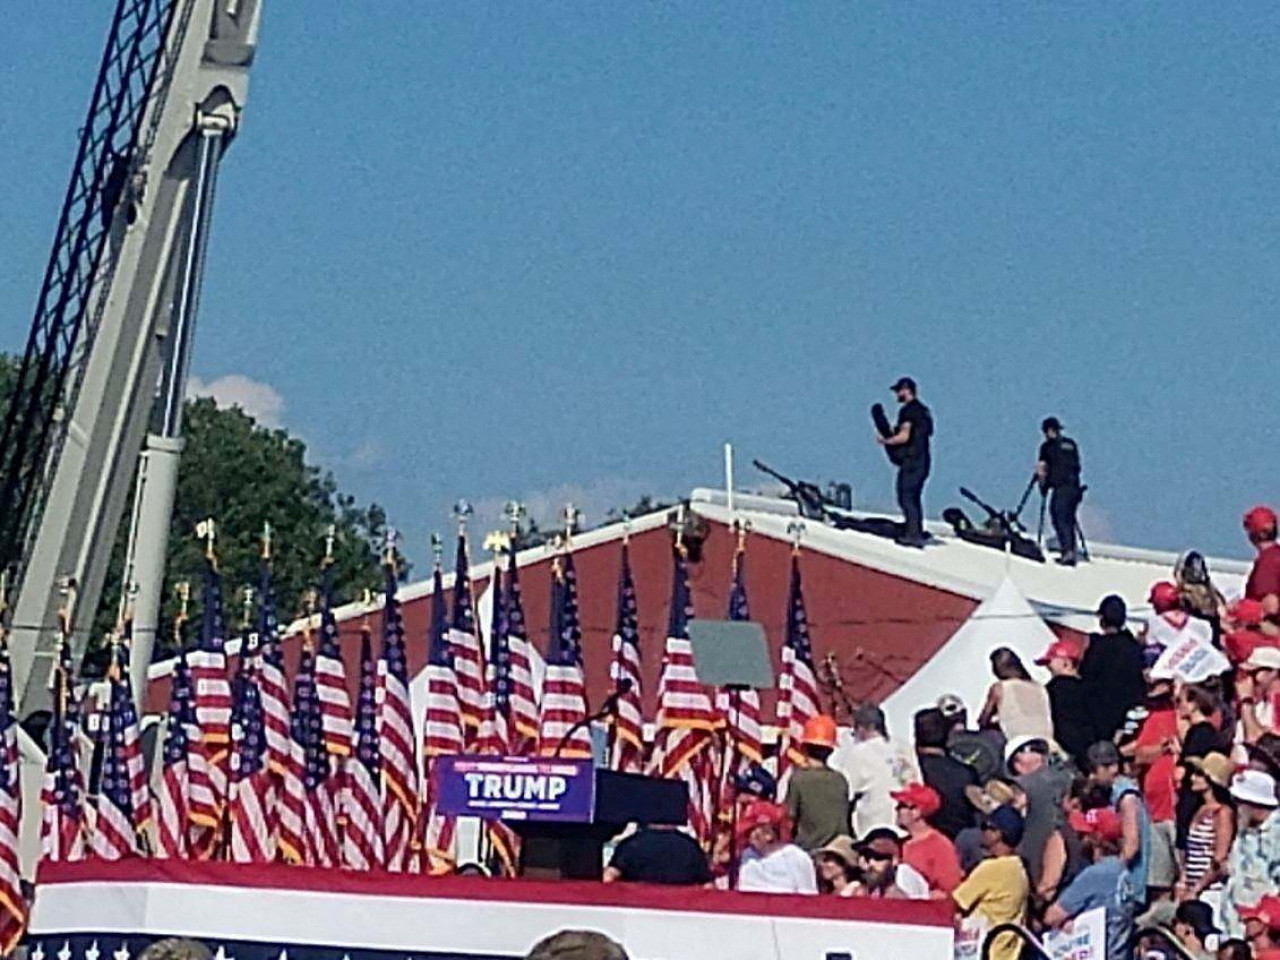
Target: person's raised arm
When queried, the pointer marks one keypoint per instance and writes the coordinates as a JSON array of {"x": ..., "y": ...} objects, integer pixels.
[{"x": 1131, "y": 840}]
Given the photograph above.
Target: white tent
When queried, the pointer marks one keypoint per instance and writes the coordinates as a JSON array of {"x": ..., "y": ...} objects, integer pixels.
[{"x": 962, "y": 665}]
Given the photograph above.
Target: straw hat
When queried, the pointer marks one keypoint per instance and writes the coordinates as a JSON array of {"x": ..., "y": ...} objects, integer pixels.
[
  {"x": 1215, "y": 767},
  {"x": 992, "y": 794},
  {"x": 842, "y": 849}
]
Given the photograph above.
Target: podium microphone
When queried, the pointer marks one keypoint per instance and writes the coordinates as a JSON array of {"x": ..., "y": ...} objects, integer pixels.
[{"x": 607, "y": 709}]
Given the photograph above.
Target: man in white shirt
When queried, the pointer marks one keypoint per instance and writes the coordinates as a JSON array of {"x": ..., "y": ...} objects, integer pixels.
[
  {"x": 875, "y": 767},
  {"x": 769, "y": 863}
]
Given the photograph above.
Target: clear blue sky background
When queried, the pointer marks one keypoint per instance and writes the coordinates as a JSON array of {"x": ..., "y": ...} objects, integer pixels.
[{"x": 492, "y": 249}]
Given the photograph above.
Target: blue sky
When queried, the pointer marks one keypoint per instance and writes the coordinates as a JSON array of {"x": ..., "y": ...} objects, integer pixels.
[{"x": 487, "y": 250}]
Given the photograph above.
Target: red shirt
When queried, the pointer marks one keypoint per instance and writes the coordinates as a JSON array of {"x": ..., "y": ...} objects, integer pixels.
[
  {"x": 935, "y": 857},
  {"x": 1264, "y": 578},
  {"x": 1159, "y": 788}
]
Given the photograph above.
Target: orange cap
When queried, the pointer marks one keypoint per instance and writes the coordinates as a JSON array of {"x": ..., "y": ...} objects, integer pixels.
[{"x": 819, "y": 731}]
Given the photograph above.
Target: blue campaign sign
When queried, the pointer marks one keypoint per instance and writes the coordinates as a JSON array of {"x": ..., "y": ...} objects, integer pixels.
[{"x": 516, "y": 788}]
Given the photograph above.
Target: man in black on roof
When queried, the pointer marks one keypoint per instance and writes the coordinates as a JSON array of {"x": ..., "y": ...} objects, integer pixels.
[
  {"x": 1058, "y": 467},
  {"x": 911, "y": 438}
]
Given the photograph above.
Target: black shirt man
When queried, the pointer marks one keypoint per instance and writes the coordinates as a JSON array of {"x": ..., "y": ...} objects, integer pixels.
[
  {"x": 911, "y": 436},
  {"x": 1058, "y": 467},
  {"x": 659, "y": 854}
]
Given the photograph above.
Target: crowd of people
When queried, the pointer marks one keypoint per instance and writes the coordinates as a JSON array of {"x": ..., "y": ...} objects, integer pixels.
[{"x": 1140, "y": 779}]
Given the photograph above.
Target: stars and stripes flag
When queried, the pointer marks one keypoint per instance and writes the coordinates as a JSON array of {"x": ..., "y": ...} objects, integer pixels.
[
  {"x": 497, "y": 732},
  {"x": 740, "y": 709},
  {"x": 468, "y": 658},
  {"x": 331, "y": 675},
  {"x": 797, "y": 684},
  {"x": 273, "y": 688},
  {"x": 687, "y": 718},
  {"x": 395, "y": 734},
  {"x": 115, "y": 832},
  {"x": 628, "y": 722},
  {"x": 252, "y": 790},
  {"x": 62, "y": 828},
  {"x": 181, "y": 736},
  {"x": 524, "y": 699},
  {"x": 307, "y": 812},
  {"x": 499, "y": 736},
  {"x": 362, "y": 843},
  {"x": 562, "y": 731},
  {"x": 442, "y": 732},
  {"x": 208, "y": 776},
  {"x": 139, "y": 788},
  {"x": 13, "y": 905}
]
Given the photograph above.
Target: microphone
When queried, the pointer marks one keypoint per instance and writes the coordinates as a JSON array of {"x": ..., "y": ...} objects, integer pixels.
[{"x": 607, "y": 709}]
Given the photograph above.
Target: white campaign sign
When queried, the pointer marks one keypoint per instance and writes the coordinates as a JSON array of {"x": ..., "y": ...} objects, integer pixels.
[{"x": 1084, "y": 938}]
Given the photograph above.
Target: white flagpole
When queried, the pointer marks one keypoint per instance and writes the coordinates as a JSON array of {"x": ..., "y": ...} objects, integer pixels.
[{"x": 728, "y": 478}]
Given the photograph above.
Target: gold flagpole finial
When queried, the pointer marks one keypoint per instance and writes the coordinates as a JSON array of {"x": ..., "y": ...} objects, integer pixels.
[
  {"x": 330, "y": 536},
  {"x": 462, "y": 511},
  {"x": 389, "y": 540},
  {"x": 246, "y": 607},
  {"x": 437, "y": 549},
  {"x": 795, "y": 530},
  {"x": 572, "y": 522},
  {"x": 207, "y": 530},
  {"x": 266, "y": 540},
  {"x": 183, "y": 590}
]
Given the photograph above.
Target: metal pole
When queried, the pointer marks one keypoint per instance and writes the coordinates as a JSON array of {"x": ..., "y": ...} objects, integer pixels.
[{"x": 728, "y": 478}]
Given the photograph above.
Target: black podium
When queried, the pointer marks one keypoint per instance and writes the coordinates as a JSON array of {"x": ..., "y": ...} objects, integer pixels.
[{"x": 574, "y": 851}]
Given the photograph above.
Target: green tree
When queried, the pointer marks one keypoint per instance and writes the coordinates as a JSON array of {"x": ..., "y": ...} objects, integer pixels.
[{"x": 243, "y": 476}]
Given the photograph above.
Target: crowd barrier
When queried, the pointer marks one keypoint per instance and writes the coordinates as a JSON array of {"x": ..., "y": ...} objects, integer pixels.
[{"x": 99, "y": 910}]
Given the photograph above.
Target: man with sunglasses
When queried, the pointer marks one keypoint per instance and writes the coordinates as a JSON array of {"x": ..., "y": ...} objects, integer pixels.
[{"x": 998, "y": 890}]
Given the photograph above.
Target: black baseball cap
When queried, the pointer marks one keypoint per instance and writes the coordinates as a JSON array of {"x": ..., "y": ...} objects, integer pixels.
[
  {"x": 1050, "y": 423},
  {"x": 904, "y": 383}
]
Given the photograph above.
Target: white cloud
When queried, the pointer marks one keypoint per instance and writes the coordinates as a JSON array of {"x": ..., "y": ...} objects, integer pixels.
[
  {"x": 367, "y": 455},
  {"x": 259, "y": 400}
]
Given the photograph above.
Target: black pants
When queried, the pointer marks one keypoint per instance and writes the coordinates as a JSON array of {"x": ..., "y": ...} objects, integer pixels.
[
  {"x": 911, "y": 478},
  {"x": 1063, "y": 504}
]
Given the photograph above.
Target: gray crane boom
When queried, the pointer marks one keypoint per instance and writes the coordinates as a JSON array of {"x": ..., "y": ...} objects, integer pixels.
[{"x": 132, "y": 347}]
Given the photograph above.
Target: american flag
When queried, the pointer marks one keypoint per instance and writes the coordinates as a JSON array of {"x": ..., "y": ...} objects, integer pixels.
[
  {"x": 442, "y": 731},
  {"x": 562, "y": 731},
  {"x": 213, "y": 716},
  {"x": 331, "y": 675},
  {"x": 524, "y": 701},
  {"x": 798, "y": 684},
  {"x": 395, "y": 734},
  {"x": 251, "y": 807},
  {"x": 499, "y": 726},
  {"x": 686, "y": 716},
  {"x": 468, "y": 659},
  {"x": 362, "y": 845},
  {"x": 173, "y": 826},
  {"x": 13, "y": 906},
  {"x": 308, "y": 814},
  {"x": 496, "y": 736},
  {"x": 116, "y": 827},
  {"x": 628, "y": 722},
  {"x": 62, "y": 828},
  {"x": 272, "y": 686},
  {"x": 740, "y": 709},
  {"x": 139, "y": 788}
]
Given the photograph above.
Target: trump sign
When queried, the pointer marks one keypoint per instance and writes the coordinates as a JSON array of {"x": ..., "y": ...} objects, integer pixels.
[{"x": 516, "y": 788}]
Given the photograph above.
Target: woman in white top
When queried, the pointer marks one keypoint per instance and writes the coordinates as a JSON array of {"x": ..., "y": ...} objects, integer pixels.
[
  {"x": 770, "y": 864},
  {"x": 1015, "y": 703}
]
